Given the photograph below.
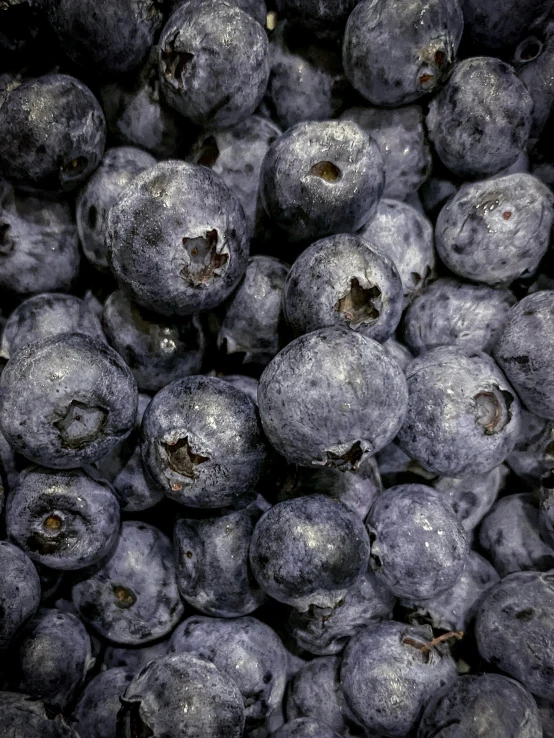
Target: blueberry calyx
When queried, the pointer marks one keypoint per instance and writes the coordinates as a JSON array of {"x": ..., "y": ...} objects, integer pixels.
[
  {"x": 182, "y": 458},
  {"x": 360, "y": 305},
  {"x": 326, "y": 170},
  {"x": 205, "y": 262},
  {"x": 81, "y": 424}
]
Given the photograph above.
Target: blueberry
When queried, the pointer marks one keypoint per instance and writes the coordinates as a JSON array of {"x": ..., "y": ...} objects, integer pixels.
[
  {"x": 406, "y": 237},
  {"x": 401, "y": 137},
  {"x": 39, "y": 243},
  {"x": 418, "y": 547},
  {"x": 342, "y": 281},
  {"x": 533, "y": 455},
  {"x": 394, "y": 56},
  {"x": 118, "y": 167},
  {"x": 473, "y": 496},
  {"x": 322, "y": 178},
  {"x": 199, "y": 230},
  {"x": 306, "y": 81},
  {"x": 202, "y": 442},
  {"x": 132, "y": 660},
  {"x": 252, "y": 326},
  {"x": 486, "y": 702},
  {"x": 236, "y": 155},
  {"x": 350, "y": 408},
  {"x": 315, "y": 693},
  {"x": 453, "y": 609},
  {"x": 137, "y": 114},
  {"x": 112, "y": 39},
  {"x": 255, "y": 8},
  {"x": 452, "y": 313},
  {"x": 200, "y": 43},
  {"x": 436, "y": 192},
  {"x": 66, "y": 400},
  {"x": 134, "y": 489},
  {"x": 44, "y": 315},
  {"x": 30, "y": 718},
  {"x": 463, "y": 417},
  {"x": 62, "y": 519},
  {"x": 355, "y": 489},
  {"x": 546, "y": 712},
  {"x": 247, "y": 651},
  {"x": 534, "y": 62},
  {"x": 245, "y": 384},
  {"x": 50, "y": 659},
  {"x": 54, "y": 134},
  {"x": 19, "y": 591},
  {"x": 399, "y": 352},
  {"x": 211, "y": 556},
  {"x": 308, "y": 551},
  {"x": 157, "y": 350},
  {"x": 95, "y": 715},
  {"x": 503, "y": 23},
  {"x": 546, "y": 508},
  {"x": 325, "y": 631},
  {"x": 510, "y": 536},
  {"x": 479, "y": 122},
  {"x": 508, "y": 217},
  {"x": 132, "y": 598},
  {"x": 305, "y": 728},
  {"x": 181, "y": 695},
  {"x": 513, "y": 629},
  {"x": 389, "y": 671},
  {"x": 524, "y": 351}
]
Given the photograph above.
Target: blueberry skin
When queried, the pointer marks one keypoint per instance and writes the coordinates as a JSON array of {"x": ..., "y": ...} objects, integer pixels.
[
  {"x": 479, "y": 122},
  {"x": 306, "y": 81},
  {"x": 156, "y": 699},
  {"x": 66, "y": 400},
  {"x": 510, "y": 536},
  {"x": 546, "y": 509},
  {"x": 157, "y": 350},
  {"x": 453, "y": 609},
  {"x": 255, "y": 8},
  {"x": 452, "y": 313},
  {"x": 349, "y": 409},
  {"x": 50, "y": 659},
  {"x": 426, "y": 38},
  {"x": 308, "y": 551},
  {"x": 342, "y": 281},
  {"x": 533, "y": 455},
  {"x": 202, "y": 442},
  {"x": 546, "y": 712},
  {"x": 405, "y": 236},
  {"x": 435, "y": 192},
  {"x": 199, "y": 231},
  {"x": 315, "y": 693},
  {"x": 25, "y": 717},
  {"x": 137, "y": 114},
  {"x": 524, "y": 351},
  {"x": 134, "y": 489},
  {"x": 245, "y": 384},
  {"x": 305, "y": 728},
  {"x": 503, "y": 24},
  {"x": 132, "y": 660},
  {"x": 119, "y": 166},
  {"x": 399, "y": 352},
  {"x": 509, "y": 217},
  {"x": 387, "y": 678},
  {"x": 513, "y": 628},
  {"x": 402, "y": 139},
  {"x": 484, "y": 704},
  {"x": 253, "y": 323},
  {"x": 54, "y": 134},
  {"x": 64, "y": 520},
  {"x": 44, "y": 315},
  {"x": 95, "y": 715},
  {"x": 473, "y": 496},
  {"x": 418, "y": 546},
  {"x": 246, "y": 650},
  {"x": 112, "y": 39},
  {"x": 325, "y": 631},
  {"x": 356, "y": 490},
  {"x": 19, "y": 591},
  {"x": 463, "y": 417},
  {"x": 39, "y": 243},
  {"x": 133, "y": 598},
  {"x": 211, "y": 560},
  {"x": 198, "y": 46},
  {"x": 236, "y": 155},
  {"x": 534, "y": 62},
  {"x": 321, "y": 178}
]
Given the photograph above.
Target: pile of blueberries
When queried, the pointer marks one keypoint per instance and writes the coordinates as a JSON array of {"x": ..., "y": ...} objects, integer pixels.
[{"x": 276, "y": 369}]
